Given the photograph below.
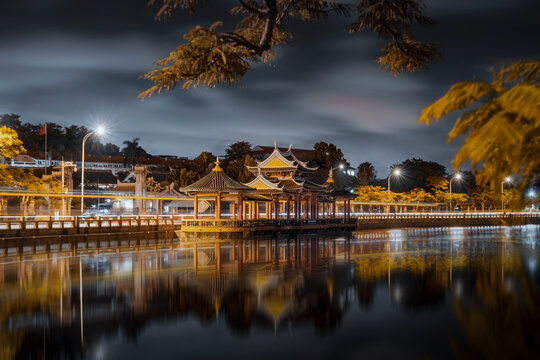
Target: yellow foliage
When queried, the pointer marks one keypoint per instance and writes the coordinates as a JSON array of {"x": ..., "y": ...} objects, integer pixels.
[
  {"x": 206, "y": 59},
  {"x": 503, "y": 130},
  {"x": 10, "y": 144},
  {"x": 210, "y": 58}
]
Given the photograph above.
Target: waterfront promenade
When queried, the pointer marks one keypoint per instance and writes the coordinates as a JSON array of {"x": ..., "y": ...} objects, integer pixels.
[{"x": 19, "y": 228}]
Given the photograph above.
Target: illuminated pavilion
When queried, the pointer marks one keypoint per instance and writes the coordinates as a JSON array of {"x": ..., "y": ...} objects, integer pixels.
[
  {"x": 284, "y": 188},
  {"x": 219, "y": 188},
  {"x": 291, "y": 184}
]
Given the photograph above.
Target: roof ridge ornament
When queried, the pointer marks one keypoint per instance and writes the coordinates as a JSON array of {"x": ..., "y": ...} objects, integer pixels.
[
  {"x": 217, "y": 167},
  {"x": 275, "y": 144},
  {"x": 330, "y": 177},
  {"x": 290, "y": 148}
]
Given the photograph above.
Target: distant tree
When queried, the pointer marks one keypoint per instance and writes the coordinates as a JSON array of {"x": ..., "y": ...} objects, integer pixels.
[
  {"x": 460, "y": 199},
  {"x": 501, "y": 127},
  {"x": 417, "y": 196},
  {"x": 238, "y": 168},
  {"x": 203, "y": 163},
  {"x": 371, "y": 193},
  {"x": 210, "y": 57},
  {"x": 326, "y": 156},
  {"x": 482, "y": 197},
  {"x": 12, "y": 121},
  {"x": 133, "y": 152},
  {"x": 414, "y": 174},
  {"x": 181, "y": 177},
  {"x": 10, "y": 144},
  {"x": 239, "y": 155},
  {"x": 111, "y": 149},
  {"x": 366, "y": 173},
  {"x": 62, "y": 141},
  {"x": 438, "y": 186},
  {"x": 238, "y": 150}
]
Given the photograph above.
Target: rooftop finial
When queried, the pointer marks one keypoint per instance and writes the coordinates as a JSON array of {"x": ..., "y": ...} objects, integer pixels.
[
  {"x": 217, "y": 167},
  {"x": 290, "y": 148},
  {"x": 275, "y": 144},
  {"x": 330, "y": 177}
]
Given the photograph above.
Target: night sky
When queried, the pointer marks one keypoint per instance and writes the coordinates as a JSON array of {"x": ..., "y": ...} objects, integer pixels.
[{"x": 75, "y": 62}]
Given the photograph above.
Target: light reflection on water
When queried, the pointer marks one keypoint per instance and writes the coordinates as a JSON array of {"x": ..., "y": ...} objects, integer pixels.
[{"x": 406, "y": 293}]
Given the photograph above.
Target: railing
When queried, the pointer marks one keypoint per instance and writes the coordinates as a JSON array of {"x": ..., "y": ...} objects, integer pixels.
[
  {"x": 82, "y": 222},
  {"x": 452, "y": 215},
  {"x": 263, "y": 223}
]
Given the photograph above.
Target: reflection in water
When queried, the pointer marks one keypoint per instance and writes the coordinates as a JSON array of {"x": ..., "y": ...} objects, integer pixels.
[{"x": 457, "y": 292}]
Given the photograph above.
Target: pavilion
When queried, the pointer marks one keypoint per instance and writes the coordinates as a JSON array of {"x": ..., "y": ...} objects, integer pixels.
[
  {"x": 284, "y": 187},
  {"x": 219, "y": 188}
]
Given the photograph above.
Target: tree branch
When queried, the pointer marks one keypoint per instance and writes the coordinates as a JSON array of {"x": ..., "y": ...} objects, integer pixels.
[
  {"x": 253, "y": 10},
  {"x": 266, "y": 38}
]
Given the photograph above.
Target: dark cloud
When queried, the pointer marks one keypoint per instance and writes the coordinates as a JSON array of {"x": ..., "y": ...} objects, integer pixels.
[{"x": 77, "y": 62}]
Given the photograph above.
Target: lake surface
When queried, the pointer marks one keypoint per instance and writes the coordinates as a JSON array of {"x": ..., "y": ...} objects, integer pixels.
[{"x": 396, "y": 294}]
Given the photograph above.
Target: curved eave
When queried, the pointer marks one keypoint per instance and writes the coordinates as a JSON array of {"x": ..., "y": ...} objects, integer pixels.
[
  {"x": 276, "y": 154},
  {"x": 265, "y": 181}
]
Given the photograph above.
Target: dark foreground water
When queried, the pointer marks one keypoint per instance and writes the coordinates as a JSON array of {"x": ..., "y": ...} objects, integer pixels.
[{"x": 397, "y": 294}]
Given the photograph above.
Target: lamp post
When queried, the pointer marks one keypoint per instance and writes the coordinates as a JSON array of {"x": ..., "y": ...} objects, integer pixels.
[
  {"x": 456, "y": 177},
  {"x": 100, "y": 131},
  {"x": 506, "y": 180},
  {"x": 396, "y": 172}
]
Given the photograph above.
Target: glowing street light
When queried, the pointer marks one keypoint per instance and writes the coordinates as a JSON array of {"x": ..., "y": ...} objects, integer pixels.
[
  {"x": 395, "y": 172},
  {"x": 531, "y": 194},
  {"x": 99, "y": 131},
  {"x": 507, "y": 179},
  {"x": 455, "y": 177}
]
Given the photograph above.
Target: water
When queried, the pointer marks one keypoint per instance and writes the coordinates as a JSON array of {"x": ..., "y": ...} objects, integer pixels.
[{"x": 398, "y": 294}]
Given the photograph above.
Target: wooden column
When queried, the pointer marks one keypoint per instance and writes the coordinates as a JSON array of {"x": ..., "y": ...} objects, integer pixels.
[
  {"x": 196, "y": 207},
  {"x": 257, "y": 210},
  {"x": 276, "y": 208},
  {"x": 334, "y": 208},
  {"x": 218, "y": 206},
  {"x": 288, "y": 206},
  {"x": 240, "y": 207}
]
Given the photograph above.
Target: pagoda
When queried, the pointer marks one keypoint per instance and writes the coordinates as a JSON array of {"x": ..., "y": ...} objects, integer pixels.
[
  {"x": 219, "y": 187},
  {"x": 291, "y": 184}
]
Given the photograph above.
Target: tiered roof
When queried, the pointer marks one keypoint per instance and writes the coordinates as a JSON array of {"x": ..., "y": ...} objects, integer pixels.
[
  {"x": 264, "y": 184},
  {"x": 216, "y": 181},
  {"x": 282, "y": 161}
]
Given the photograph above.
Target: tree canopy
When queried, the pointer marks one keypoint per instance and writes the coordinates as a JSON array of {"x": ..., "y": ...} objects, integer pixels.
[
  {"x": 10, "y": 144},
  {"x": 133, "y": 152},
  {"x": 501, "y": 125},
  {"x": 366, "y": 173},
  {"x": 62, "y": 141},
  {"x": 415, "y": 172},
  {"x": 212, "y": 56}
]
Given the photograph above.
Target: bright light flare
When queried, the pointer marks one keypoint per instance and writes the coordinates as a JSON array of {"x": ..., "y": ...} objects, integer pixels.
[
  {"x": 341, "y": 166},
  {"x": 100, "y": 130},
  {"x": 397, "y": 172},
  {"x": 507, "y": 179},
  {"x": 531, "y": 194},
  {"x": 458, "y": 176}
]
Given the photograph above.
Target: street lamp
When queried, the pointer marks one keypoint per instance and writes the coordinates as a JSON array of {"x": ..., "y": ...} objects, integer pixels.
[
  {"x": 99, "y": 131},
  {"x": 396, "y": 172},
  {"x": 455, "y": 177},
  {"x": 507, "y": 179}
]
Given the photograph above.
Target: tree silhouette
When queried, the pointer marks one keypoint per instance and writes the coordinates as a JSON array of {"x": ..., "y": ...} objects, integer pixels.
[
  {"x": 133, "y": 152},
  {"x": 366, "y": 173}
]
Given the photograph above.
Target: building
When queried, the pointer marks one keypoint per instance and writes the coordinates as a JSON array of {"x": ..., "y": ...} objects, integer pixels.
[{"x": 284, "y": 187}]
